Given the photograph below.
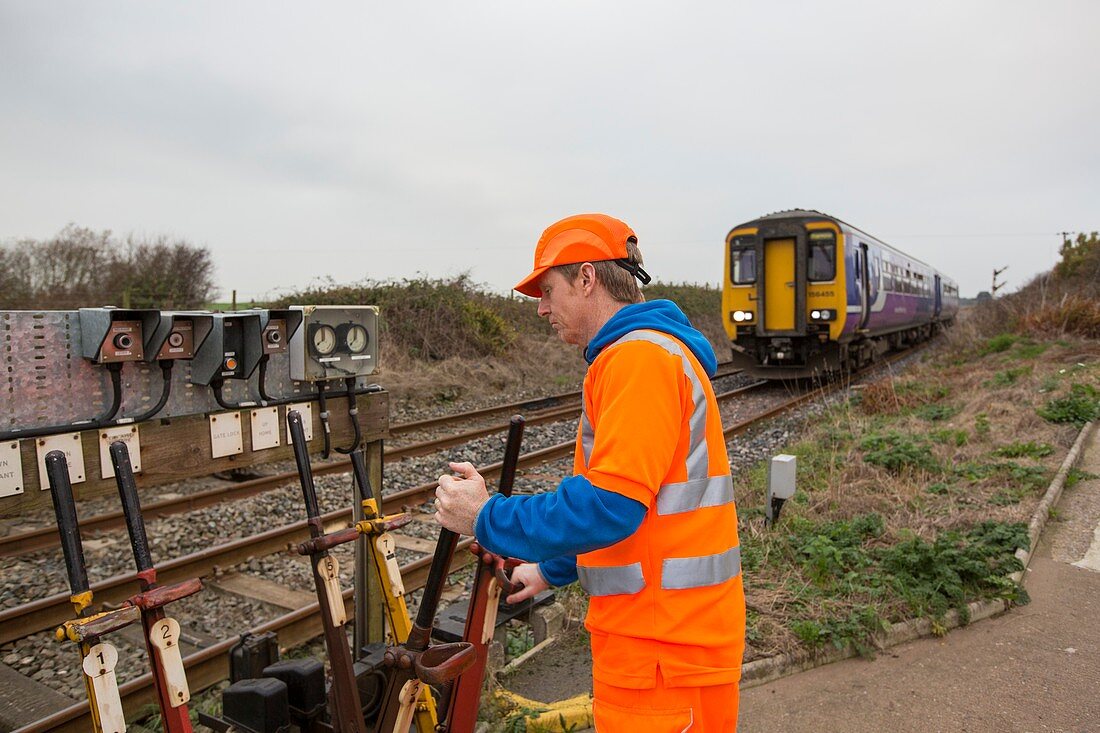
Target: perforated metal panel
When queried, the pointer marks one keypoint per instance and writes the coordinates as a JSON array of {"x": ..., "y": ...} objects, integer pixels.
[{"x": 48, "y": 382}]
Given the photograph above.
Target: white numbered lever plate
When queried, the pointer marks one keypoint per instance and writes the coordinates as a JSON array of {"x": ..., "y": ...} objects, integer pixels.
[
  {"x": 99, "y": 667},
  {"x": 328, "y": 569},
  {"x": 165, "y": 638}
]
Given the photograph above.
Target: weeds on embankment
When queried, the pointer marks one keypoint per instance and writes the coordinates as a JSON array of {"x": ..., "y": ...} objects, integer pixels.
[{"x": 914, "y": 495}]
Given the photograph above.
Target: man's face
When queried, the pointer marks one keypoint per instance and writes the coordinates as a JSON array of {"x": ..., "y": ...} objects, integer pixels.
[{"x": 563, "y": 304}]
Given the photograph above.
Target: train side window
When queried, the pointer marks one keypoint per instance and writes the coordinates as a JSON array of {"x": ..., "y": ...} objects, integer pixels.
[
  {"x": 743, "y": 265},
  {"x": 822, "y": 256}
]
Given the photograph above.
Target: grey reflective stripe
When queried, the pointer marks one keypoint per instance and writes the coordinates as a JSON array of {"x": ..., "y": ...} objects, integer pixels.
[
  {"x": 611, "y": 581},
  {"x": 678, "y": 573},
  {"x": 697, "y": 462},
  {"x": 588, "y": 435},
  {"x": 694, "y": 494}
]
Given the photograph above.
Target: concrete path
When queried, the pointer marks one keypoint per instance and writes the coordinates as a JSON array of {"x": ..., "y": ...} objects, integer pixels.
[{"x": 1036, "y": 668}]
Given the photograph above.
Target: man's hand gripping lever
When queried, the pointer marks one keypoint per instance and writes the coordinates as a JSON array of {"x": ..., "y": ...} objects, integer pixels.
[{"x": 463, "y": 698}]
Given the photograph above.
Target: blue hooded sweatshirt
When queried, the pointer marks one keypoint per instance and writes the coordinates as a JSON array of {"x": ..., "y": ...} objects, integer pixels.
[{"x": 553, "y": 528}]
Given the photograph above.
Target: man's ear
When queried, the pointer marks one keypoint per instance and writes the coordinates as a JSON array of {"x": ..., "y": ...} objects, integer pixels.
[{"x": 587, "y": 277}]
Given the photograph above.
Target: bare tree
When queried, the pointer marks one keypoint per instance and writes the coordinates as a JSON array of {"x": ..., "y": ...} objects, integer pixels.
[{"x": 80, "y": 267}]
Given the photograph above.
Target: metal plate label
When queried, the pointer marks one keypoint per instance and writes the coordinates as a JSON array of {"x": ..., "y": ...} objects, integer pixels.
[
  {"x": 11, "y": 469},
  {"x": 129, "y": 435},
  {"x": 225, "y": 434},
  {"x": 69, "y": 444},
  {"x": 265, "y": 428},
  {"x": 305, "y": 409}
]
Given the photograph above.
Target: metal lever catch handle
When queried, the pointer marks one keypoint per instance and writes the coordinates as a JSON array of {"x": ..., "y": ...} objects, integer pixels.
[
  {"x": 502, "y": 566},
  {"x": 305, "y": 472},
  {"x": 61, "y": 491},
  {"x": 443, "y": 663},
  {"x": 131, "y": 506}
]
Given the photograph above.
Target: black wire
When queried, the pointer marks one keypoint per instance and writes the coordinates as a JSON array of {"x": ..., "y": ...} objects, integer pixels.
[
  {"x": 104, "y": 419},
  {"x": 263, "y": 379},
  {"x": 324, "y": 418},
  {"x": 216, "y": 386},
  {"x": 115, "y": 370},
  {"x": 353, "y": 414},
  {"x": 166, "y": 372}
]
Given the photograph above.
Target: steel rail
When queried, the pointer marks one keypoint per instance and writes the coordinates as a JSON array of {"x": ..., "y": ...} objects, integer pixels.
[
  {"x": 24, "y": 543},
  {"x": 51, "y": 611},
  {"x": 207, "y": 667},
  {"x": 535, "y": 403}
]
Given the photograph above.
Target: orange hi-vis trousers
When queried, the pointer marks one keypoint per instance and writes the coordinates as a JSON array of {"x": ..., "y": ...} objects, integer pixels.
[{"x": 661, "y": 709}]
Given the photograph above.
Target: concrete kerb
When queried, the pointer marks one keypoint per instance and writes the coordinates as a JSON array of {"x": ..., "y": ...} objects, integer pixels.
[{"x": 576, "y": 712}]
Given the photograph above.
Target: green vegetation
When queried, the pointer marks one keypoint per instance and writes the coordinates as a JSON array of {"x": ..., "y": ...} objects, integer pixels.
[
  {"x": 1081, "y": 405},
  {"x": 854, "y": 577},
  {"x": 1009, "y": 377},
  {"x": 997, "y": 344},
  {"x": 431, "y": 319},
  {"x": 1030, "y": 449},
  {"x": 896, "y": 452}
]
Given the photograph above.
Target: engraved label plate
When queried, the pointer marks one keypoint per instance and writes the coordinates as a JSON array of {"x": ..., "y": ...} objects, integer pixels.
[
  {"x": 265, "y": 428},
  {"x": 328, "y": 570},
  {"x": 305, "y": 409},
  {"x": 11, "y": 469},
  {"x": 164, "y": 635},
  {"x": 99, "y": 668},
  {"x": 69, "y": 444},
  {"x": 225, "y": 434},
  {"x": 128, "y": 434},
  {"x": 387, "y": 550}
]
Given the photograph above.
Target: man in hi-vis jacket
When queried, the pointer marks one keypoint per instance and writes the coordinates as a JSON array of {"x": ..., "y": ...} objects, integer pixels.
[{"x": 647, "y": 522}]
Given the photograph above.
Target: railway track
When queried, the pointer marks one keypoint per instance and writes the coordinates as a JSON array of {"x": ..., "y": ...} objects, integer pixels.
[
  {"x": 210, "y": 665},
  {"x": 537, "y": 411}
]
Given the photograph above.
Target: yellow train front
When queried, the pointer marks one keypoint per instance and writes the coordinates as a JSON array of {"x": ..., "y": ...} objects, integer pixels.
[{"x": 806, "y": 294}]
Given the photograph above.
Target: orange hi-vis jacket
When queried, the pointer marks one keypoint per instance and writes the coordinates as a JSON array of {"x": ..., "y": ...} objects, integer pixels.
[{"x": 669, "y": 595}]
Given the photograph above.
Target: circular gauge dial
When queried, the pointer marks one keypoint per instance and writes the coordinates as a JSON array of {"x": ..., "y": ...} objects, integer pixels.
[
  {"x": 324, "y": 340},
  {"x": 358, "y": 339}
]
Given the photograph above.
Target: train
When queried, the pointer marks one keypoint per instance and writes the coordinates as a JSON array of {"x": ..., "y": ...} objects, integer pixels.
[{"x": 806, "y": 294}]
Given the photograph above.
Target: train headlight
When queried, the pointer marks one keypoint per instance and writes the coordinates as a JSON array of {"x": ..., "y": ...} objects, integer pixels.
[
  {"x": 823, "y": 314},
  {"x": 742, "y": 316},
  {"x": 816, "y": 315}
]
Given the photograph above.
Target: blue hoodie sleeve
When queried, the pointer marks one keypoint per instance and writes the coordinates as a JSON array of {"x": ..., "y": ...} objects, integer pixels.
[
  {"x": 559, "y": 571},
  {"x": 577, "y": 518}
]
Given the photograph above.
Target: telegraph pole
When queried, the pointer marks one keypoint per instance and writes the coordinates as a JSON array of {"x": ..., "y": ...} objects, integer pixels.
[{"x": 997, "y": 286}]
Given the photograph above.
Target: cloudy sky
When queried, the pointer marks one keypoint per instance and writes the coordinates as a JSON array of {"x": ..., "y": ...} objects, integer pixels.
[{"x": 386, "y": 140}]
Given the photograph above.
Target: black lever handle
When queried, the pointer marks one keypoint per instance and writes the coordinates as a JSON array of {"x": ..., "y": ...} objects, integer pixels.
[
  {"x": 131, "y": 507},
  {"x": 433, "y": 588},
  {"x": 511, "y": 455},
  {"x": 64, "y": 508},
  {"x": 305, "y": 471},
  {"x": 362, "y": 479}
]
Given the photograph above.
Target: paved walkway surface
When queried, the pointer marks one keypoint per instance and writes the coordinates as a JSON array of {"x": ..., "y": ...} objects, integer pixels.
[{"x": 1035, "y": 668}]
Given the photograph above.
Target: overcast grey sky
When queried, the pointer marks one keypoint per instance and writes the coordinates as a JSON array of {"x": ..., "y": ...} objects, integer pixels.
[{"x": 352, "y": 139}]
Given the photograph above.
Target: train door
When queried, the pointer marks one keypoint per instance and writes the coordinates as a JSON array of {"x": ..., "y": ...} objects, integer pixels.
[
  {"x": 863, "y": 268},
  {"x": 938, "y": 298},
  {"x": 779, "y": 284}
]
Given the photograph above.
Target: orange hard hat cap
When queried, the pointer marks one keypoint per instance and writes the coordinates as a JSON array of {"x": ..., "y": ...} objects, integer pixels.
[{"x": 580, "y": 238}]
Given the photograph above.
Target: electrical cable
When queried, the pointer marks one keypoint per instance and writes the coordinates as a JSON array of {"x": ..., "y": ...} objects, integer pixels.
[
  {"x": 353, "y": 414},
  {"x": 104, "y": 419},
  {"x": 265, "y": 399},
  {"x": 323, "y": 414},
  {"x": 166, "y": 372}
]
